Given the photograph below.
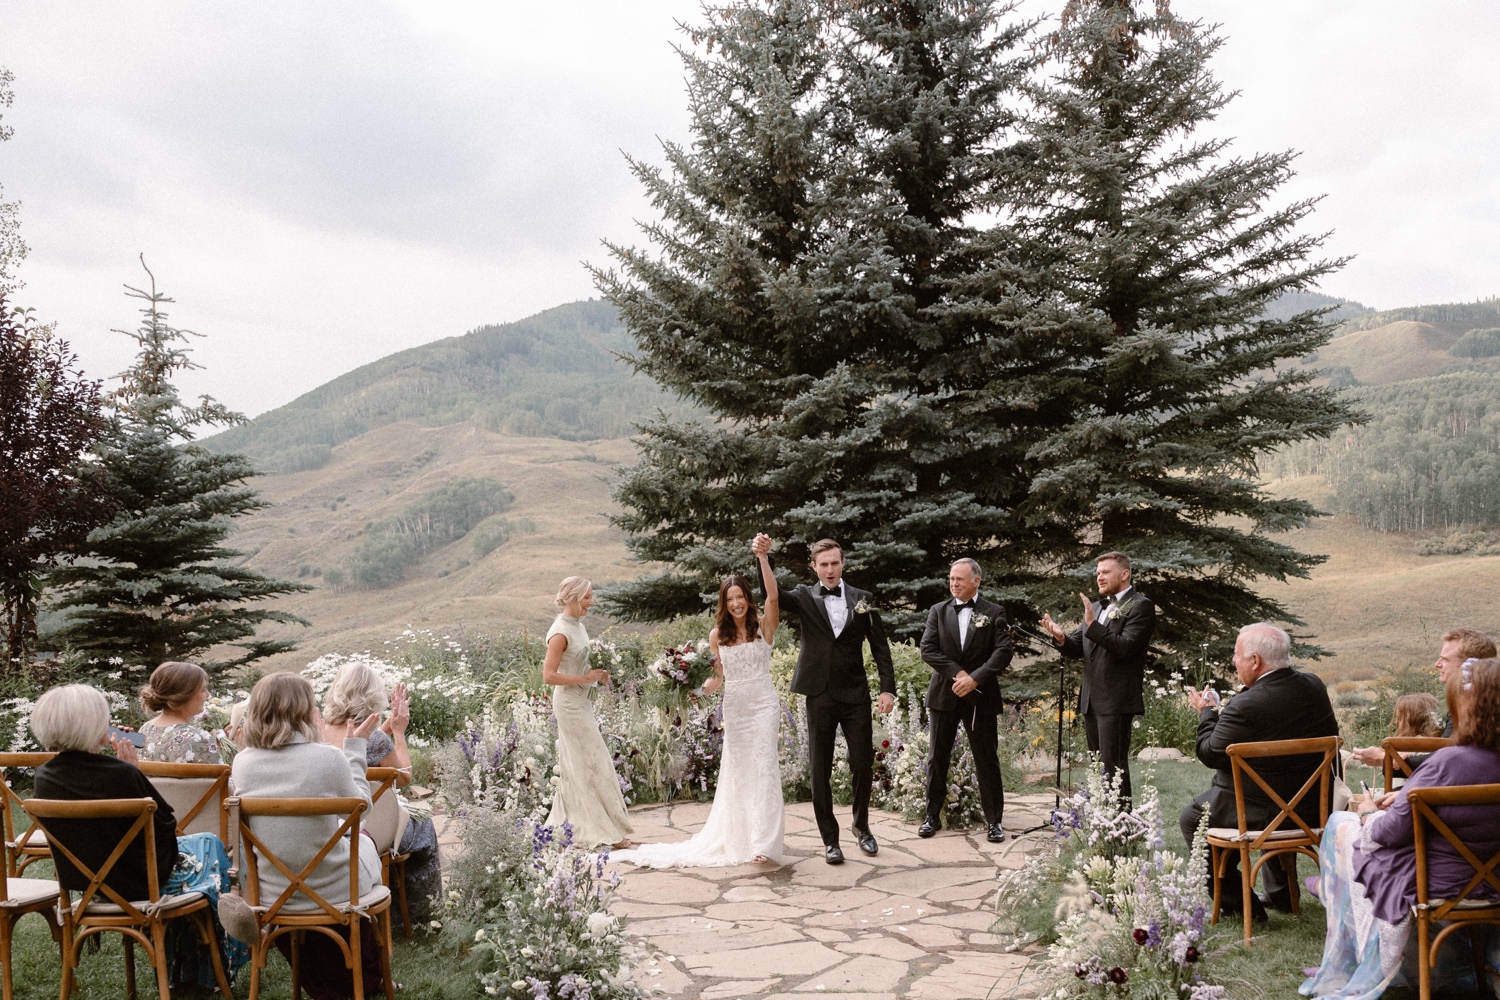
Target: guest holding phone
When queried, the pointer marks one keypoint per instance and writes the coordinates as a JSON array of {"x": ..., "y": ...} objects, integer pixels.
[
  {"x": 588, "y": 794},
  {"x": 175, "y": 696}
]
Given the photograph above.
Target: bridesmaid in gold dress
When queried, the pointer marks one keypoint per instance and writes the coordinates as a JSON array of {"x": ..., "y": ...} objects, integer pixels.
[{"x": 588, "y": 793}]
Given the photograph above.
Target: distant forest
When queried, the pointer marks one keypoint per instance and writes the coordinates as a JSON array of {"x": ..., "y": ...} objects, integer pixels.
[
  {"x": 555, "y": 374},
  {"x": 1426, "y": 457}
]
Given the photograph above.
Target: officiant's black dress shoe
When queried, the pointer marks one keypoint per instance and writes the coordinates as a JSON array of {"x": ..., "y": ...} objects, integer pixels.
[
  {"x": 929, "y": 827},
  {"x": 866, "y": 841},
  {"x": 994, "y": 834},
  {"x": 833, "y": 855}
]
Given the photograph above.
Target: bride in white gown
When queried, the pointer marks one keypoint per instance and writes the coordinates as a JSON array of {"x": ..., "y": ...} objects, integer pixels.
[{"x": 747, "y": 821}]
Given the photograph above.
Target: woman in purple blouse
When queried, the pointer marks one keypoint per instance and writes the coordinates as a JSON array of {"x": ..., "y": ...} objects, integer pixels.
[{"x": 1369, "y": 866}]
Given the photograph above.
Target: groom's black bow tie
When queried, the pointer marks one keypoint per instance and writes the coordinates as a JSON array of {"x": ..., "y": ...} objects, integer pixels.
[
  {"x": 825, "y": 592},
  {"x": 960, "y": 605}
]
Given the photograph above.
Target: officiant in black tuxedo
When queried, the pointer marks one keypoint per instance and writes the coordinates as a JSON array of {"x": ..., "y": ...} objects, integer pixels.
[
  {"x": 967, "y": 645},
  {"x": 836, "y": 620},
  {"x": 1112, "y": 642}
]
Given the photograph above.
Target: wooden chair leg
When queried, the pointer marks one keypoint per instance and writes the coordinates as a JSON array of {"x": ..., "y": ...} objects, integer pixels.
[
  {"x": 1289, "y": 865},
  {"x": 69, "y": 956},
  {"x": 401, "y": 893},
  {"x": 1424, "y": 960},
  {"x": 1247, "y": 892},
  {"x": 257, "y": 959},
  {"x": 356, "y": 964},
  {"x": 386, "y": 957},
  {"x": 1216, "y": 872},
  {"x": 159, "y": 949},
  {"x": 6, "y": 990},
  {"x": 211, "y": 941},
  {"x": 129, "y": 944}
]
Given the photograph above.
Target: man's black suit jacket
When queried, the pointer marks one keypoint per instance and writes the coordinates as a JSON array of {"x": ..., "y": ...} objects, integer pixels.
[
  {"x": 985, "y": 654},
  {"x": 1285, "y": 704},
  {"x": 1114, "y": 657},
  {"x": 836, "y": 664}
]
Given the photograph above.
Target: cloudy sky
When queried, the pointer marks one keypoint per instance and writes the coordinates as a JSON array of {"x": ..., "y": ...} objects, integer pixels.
[{"x": 320, "y": 184}]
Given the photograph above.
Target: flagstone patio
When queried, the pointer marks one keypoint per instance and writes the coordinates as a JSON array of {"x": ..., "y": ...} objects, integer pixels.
[{"x": 911, "y": 922}]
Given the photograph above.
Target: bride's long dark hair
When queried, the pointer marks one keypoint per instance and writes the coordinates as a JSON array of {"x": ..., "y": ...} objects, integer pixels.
[{"x": 729, "y": 632}]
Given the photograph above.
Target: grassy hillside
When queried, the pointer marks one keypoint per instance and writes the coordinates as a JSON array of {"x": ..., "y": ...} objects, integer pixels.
[
  {"x": 556, "y": 374},
  {"x": 321, "y": 516},
  {"x": 1378, "y": 348}
]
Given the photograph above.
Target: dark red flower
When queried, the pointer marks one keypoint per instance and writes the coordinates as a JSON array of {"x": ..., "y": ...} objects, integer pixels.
[
  {"x": 1141, "y": 935},
  {"x": 880, "y": 756},
  {"x": 1191, "y": 955},
  {"x": 1080, "y": 971},
  {"x": 1117, "y": 975},
  {"x": 886, "y": 744}
]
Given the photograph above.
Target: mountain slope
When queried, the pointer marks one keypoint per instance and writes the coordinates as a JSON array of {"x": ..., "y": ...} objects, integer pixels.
[{"x": 555, "y": 374}]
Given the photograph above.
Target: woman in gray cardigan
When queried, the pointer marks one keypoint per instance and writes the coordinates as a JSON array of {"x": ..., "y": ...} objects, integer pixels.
[{"x": 284, "y": 757}]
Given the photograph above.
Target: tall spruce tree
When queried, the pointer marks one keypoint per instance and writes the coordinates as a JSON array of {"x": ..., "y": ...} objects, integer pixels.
[
  {"x": 1169, "y": 250},
  {"x": 157, "y": 582},
  {"x": 823, "y": 288}
]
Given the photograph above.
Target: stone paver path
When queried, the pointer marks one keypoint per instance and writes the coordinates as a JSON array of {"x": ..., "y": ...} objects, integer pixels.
[{"x": 911, "y": 922}]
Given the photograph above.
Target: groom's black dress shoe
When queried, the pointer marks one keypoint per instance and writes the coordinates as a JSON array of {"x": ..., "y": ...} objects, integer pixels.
[
  {"x": 929, "y": 827},
  {"x": 994, "y": 834},
  {"x": 866, "y": 841},
  {"x": 833, "y": 855}
]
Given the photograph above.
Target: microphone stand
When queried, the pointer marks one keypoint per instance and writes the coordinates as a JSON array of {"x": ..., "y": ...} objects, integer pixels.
[{"x": 1062, "y": 694}]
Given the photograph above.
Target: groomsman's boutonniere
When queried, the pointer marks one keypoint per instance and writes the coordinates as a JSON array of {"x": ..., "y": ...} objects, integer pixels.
[
  {"x": 863, "y": 607},
  {"x": 979, "y": 621},
  {"x": 1123, "y": 607}
]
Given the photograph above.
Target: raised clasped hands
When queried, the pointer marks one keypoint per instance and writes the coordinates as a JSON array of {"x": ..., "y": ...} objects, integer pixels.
[
  {"x": 761, "y": 546},
  {"x": 1053, "y": 629}
]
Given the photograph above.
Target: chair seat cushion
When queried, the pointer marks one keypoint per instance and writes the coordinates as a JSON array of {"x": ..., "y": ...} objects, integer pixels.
[
  {"x": 28, "y": 890},
  {"x": 33, "y": 839},
  {"x": 301, "y": 908},
  {"x": 163, "y": 904},
  {"x": 1233, "y": 834}
]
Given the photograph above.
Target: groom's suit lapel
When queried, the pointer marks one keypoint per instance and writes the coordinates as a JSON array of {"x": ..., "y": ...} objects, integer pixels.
[{"x": 817, "y": 598}]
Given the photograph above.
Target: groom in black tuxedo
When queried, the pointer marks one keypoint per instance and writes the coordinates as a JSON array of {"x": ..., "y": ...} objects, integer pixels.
[
  {"x": 837, "y": 620},
  {"x": 1112, "y": 642},
  {"x": 967, "y": 645}
]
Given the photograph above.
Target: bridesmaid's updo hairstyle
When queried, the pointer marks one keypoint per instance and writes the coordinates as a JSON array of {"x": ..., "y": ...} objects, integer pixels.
[
  {"x": 172, "y": 685},
  {"x": 282, "y": 707},
  {"x": 570, "y": 590},
  {"x": 729, "y": 632}
]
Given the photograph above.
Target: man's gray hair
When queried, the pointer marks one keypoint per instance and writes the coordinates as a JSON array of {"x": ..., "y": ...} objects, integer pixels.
[
  {"x": 972, "y": 564},
  {"x": 1270, "y": 643}
]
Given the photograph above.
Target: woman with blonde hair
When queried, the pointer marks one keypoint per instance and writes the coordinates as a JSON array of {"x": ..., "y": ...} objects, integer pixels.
[
  {"x": 588, "y": 793},
  {"x": 358, "y": 689},
  {"x": 174, "y": 697}
]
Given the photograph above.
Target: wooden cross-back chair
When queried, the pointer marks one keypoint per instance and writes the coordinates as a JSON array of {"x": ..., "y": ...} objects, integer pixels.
[
  {"x": 22, "y": 847},
  {"x": 1463, "y": 911},
  {"x": 197, "y": 794},
  {"x": 1288, "y": 834},
  {"x": 99, "y": 908},
  {"x": 386, "y": 823},
  {"x": 18, "y": 897},
  {"x": 299, "y": 907},
  {"x": 1397, "y": 747}
]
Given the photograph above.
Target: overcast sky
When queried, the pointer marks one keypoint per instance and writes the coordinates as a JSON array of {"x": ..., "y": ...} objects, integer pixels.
[{"x": 320, "y": 184}]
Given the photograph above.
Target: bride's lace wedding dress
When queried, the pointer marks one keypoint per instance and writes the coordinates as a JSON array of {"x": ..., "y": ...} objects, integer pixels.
[{"x": 747, "y": 820}]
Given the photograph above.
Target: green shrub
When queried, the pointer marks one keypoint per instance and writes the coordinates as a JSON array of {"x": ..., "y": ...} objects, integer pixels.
[{"x": 1477, "y": 344}]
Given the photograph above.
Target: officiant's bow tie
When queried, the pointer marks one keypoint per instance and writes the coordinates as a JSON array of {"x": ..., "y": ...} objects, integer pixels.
[
  {"x": 960, "y": 605},
  {"x": 825, "y": 592}
]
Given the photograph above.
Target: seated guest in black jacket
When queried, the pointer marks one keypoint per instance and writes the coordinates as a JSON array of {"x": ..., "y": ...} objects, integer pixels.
[
  {"x": 1278, "y": 703},
  {"x": 73, "y": 720}
]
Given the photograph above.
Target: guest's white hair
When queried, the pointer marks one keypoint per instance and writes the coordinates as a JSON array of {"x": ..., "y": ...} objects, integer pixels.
[
  {"x": 973, "y": 565},
  {"x": 71, "y": 717},
  {"x": 1270, "y": 643},
  {"x": 358, "y": 690}
]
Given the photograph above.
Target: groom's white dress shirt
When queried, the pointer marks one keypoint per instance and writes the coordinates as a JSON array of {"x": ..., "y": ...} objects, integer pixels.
[
  {"x": 964, "y": 616},
  {"x": 838, "y": 610}
]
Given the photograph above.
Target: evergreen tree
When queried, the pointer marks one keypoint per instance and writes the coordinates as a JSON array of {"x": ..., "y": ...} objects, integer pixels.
[
  {"x": 822, "y": 287},
  {"x": 50, "y": 416},
  {"x": 1169, "y": 251},
  {"x": 158, "y": 582}
]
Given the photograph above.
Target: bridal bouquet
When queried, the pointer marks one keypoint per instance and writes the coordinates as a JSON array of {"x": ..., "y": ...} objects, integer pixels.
[{"x": 678, "y": 672}]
